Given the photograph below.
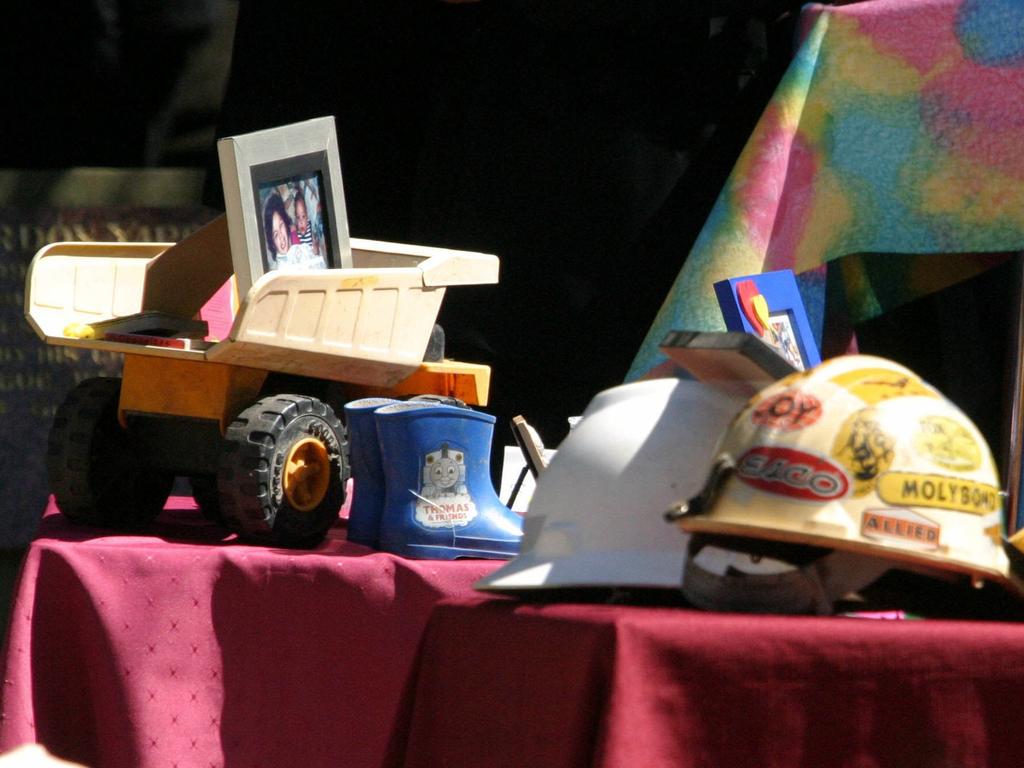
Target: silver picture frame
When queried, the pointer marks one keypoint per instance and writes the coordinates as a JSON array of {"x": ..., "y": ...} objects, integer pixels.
[{"x": 296, "y": 163}]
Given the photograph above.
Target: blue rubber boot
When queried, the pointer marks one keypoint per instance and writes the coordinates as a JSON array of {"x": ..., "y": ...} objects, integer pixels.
[
  {"x": 439, "y": 500},
  {"x": 367, "y": 473}
]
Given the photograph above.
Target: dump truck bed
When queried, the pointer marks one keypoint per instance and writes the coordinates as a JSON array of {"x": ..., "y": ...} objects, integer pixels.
[{"x": 368, "y": 325}]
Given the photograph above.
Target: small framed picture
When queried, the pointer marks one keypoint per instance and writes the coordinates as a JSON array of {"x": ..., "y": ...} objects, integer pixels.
[
  {"x": 769, "y": 306},
  {"x": 284, "y": 200}
]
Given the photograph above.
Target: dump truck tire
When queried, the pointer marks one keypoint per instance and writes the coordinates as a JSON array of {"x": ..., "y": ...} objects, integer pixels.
[
  {"x": 96, "y": 473},
  {"x": 283, "y": 470}
]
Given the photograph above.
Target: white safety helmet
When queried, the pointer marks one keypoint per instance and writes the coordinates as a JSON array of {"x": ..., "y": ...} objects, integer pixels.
[
  {"x": 857, "y": 456},
  {"x": 595, "y": 519}
]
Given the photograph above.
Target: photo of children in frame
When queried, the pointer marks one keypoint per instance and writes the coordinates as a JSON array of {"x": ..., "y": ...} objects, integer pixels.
[{"x": 293, "y": 228}]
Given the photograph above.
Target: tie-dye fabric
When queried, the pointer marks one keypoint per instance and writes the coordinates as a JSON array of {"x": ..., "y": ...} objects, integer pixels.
[{"x": 898, "y": 129}]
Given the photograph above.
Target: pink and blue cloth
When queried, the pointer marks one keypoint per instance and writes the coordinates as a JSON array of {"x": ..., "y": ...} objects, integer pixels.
[{"x": 898, "y": 129}]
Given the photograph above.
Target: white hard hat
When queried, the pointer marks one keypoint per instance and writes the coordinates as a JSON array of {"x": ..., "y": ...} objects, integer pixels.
[{"x": 595, "y": 519}]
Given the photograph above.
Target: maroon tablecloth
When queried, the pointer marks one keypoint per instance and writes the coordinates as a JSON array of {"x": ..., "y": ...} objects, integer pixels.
[
  {"x": 184, "y": 648},
  {"x": 500, "y": 683}
]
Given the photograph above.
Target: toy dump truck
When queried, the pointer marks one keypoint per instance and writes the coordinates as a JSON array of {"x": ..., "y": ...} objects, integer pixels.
[{"x": 251, "y": 418}]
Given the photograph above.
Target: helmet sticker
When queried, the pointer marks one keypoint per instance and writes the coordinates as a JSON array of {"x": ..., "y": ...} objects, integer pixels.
[
  {"x": 908, "y": 489},
  {"x": 788, "y": 472},
  {"x": 789, "y": 411},
  {"x": 786, "y": 382},
  {"x": 864, "y": 448},
  {"x": 444, "y": 500},
  {"x": 947, "y": 443},
  {"x": 903, "y": 526},
  {"x": 872, "y": 385}
]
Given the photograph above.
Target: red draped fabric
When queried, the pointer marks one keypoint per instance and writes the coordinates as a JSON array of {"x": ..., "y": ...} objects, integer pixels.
[
  {"x": 501, "y": 683},
  {"x": 185, "y": 648}
]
